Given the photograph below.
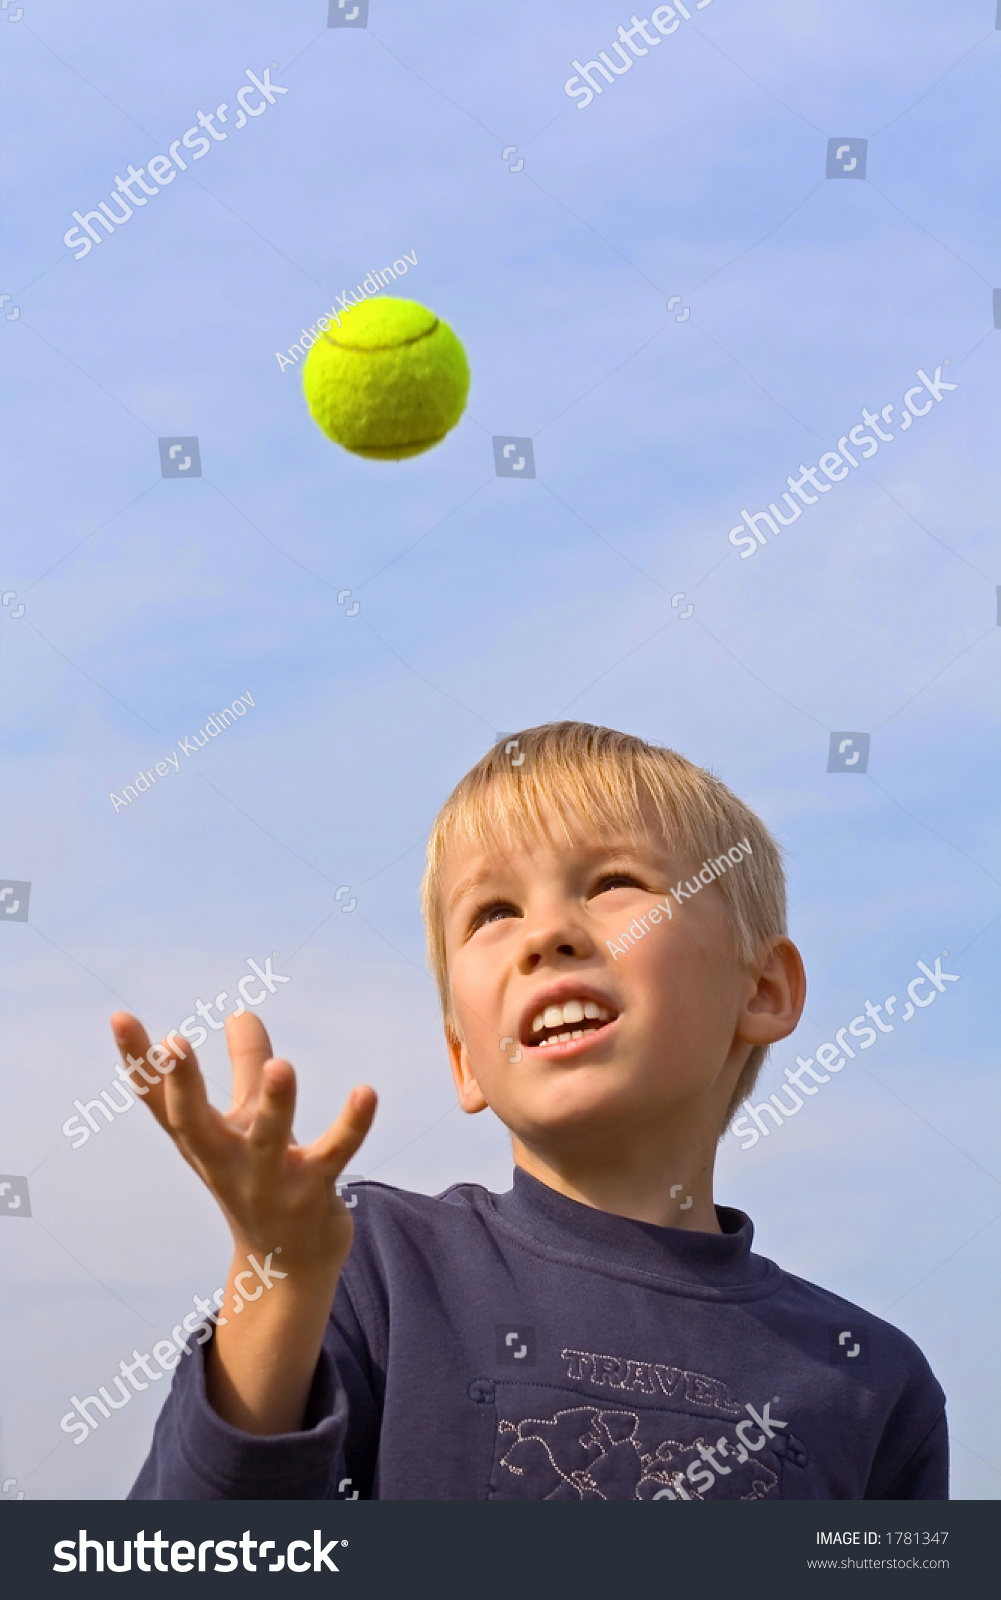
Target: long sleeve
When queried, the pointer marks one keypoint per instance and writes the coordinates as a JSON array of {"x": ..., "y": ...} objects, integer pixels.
[
  {"x": 196, "y": 1455},
  {"x": 526, "y": 1347},
  {"x": 925, "y": 1476}
]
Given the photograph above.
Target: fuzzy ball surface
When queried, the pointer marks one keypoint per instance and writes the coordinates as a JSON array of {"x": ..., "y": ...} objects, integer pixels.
[{"x": 389, "y": 382}]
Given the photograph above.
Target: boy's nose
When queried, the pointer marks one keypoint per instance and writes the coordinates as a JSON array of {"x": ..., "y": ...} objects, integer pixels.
[
  {"x": 534, "y": 957},
  {"x": 558, "y": 942}
]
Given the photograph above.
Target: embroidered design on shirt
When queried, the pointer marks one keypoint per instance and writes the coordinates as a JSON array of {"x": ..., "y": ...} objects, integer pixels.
[
  {"x": 650, "y": 1377},
  {"x": 594, "y": 1453}
]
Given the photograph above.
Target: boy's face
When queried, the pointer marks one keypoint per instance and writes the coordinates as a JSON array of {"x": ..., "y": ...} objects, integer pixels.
[{"x": 664, "y": 1029}]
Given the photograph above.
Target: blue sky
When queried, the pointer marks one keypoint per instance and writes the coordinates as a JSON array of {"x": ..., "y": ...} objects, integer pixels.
[{"x": 488, "y": 604}]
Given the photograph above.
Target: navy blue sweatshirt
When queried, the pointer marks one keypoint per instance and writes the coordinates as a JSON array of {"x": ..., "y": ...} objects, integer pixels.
[{"x": 522, "y": 1346}]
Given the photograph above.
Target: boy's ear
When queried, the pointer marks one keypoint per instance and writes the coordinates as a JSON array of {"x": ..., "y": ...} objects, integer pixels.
[
  {"x": 775, "y": 1005},
  {"x": 466, "y": 1087}
]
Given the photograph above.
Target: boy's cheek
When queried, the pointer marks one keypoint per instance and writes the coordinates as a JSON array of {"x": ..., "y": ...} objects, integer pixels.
[
  {"x": 487, "y": 1051},
  {"x": 472, "y": 977},
  {"x": 665, "y": 998}
]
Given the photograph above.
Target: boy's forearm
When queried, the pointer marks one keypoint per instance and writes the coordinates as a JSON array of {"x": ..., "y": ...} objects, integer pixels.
[{"x": 261, "y": 1360}]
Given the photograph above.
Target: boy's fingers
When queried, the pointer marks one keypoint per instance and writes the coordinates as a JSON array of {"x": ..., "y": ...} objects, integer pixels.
[
  {"x": 176, "y": 1095},
  {"x": 130, "y": 1035},
  {"x": 249, "y": 1047},
  {"x": 188, "y": 1113},
  {"x": 272, "y": 1125},
  {"x": 133, "y": 1041},
  {"x": 335, "y": 1148}
]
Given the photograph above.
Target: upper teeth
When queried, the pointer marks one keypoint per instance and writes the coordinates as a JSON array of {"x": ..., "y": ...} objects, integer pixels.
[{"x": 570, "y": 1011}]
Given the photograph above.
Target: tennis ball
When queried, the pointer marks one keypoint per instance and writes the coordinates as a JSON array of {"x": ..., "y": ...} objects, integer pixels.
[{"x": 389, "y": 382}]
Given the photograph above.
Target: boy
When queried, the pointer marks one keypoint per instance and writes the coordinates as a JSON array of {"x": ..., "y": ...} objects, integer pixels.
[{"x": 606, "y": 923}]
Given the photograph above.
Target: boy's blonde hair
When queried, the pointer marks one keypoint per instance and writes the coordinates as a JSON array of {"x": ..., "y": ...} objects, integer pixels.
[{"x": 595, "y": 780}]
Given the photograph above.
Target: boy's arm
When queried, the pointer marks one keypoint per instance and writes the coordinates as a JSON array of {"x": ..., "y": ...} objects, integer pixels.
[
  {"x": 291, "y": 1232},
  {"x": 260, "y": 1365},
  {"x": 196, "y": 1455},
  {"x": 925, "y": 1476}
]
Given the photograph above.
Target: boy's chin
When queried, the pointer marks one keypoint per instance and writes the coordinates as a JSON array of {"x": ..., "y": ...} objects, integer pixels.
[{"x": 577, "y": 1114}]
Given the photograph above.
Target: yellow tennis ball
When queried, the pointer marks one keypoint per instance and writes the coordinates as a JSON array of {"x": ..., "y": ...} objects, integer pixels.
[{"x": 389, "y": 382}]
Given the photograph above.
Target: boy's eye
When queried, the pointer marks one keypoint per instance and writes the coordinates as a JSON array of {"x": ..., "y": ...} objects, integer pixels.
[
  {"x": 494, "y": 912},
  {"x": 616, "y": 880}
]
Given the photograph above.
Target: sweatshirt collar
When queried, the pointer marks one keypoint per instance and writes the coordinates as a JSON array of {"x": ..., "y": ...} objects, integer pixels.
[{"x": 621, "y": 1245}]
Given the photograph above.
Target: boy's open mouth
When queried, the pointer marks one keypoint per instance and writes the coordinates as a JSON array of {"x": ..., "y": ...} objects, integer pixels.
[{"x": 567, "y": 1020}]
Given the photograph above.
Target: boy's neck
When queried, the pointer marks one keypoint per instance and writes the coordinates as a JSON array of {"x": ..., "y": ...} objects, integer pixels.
[{"x": 669, "y": 1194}]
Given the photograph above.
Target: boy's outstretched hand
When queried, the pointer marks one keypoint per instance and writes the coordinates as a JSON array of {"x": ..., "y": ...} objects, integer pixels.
[{"x": 276, "y": 1195}]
